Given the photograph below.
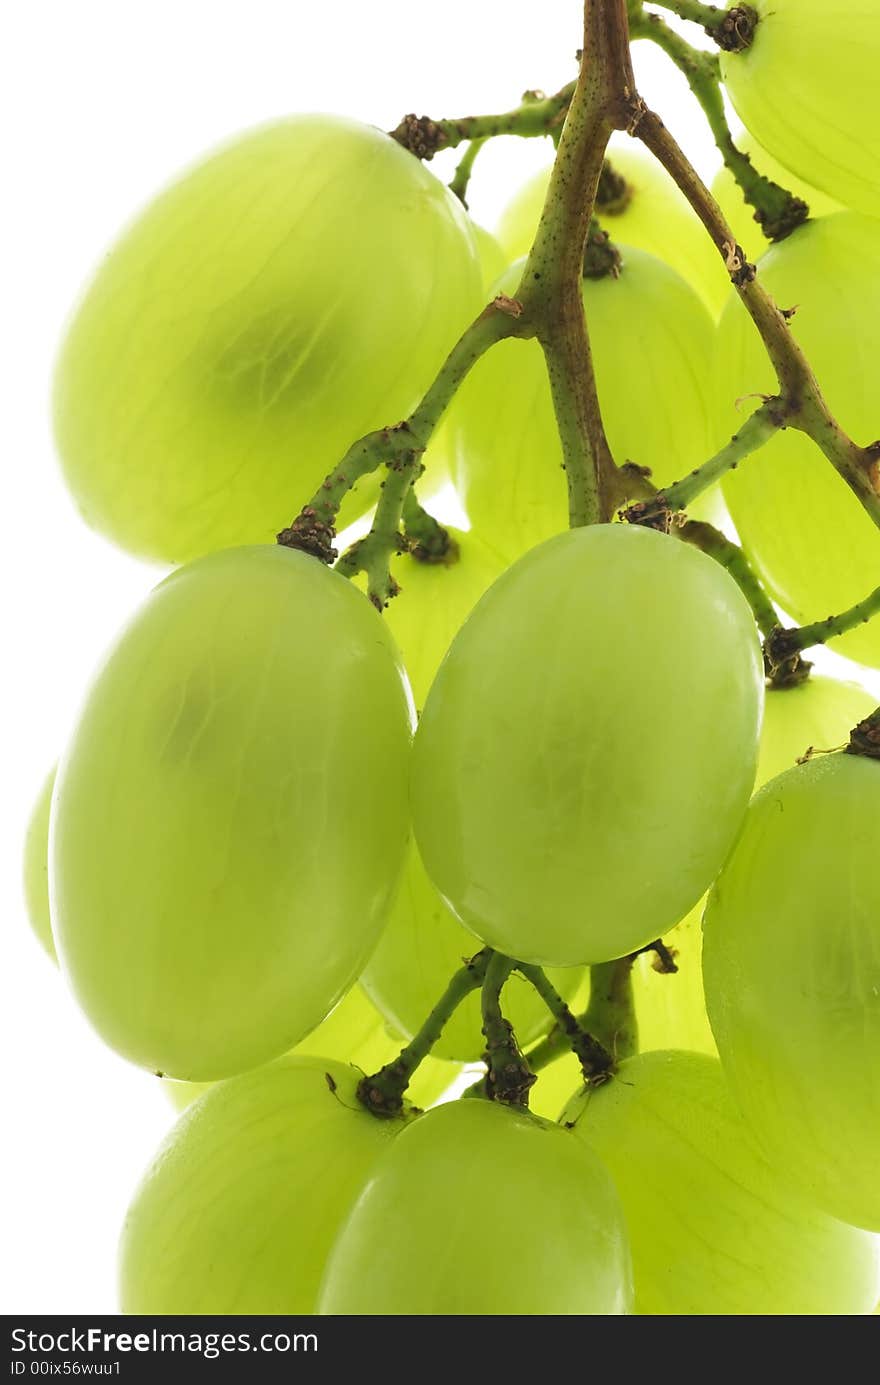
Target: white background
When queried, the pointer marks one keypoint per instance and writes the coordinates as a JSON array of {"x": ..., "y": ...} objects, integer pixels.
[{"x": 102, "y": 103}]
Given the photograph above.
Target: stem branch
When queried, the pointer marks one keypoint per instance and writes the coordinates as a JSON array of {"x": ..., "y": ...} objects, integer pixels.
[
  {"x": 508, "y": 1077},
  {"x": 595, "y": 1060}
]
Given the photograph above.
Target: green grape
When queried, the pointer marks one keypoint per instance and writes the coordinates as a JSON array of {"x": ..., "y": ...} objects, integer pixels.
[
  {"x": 651, "y": 338},
  {"x": 671, "y": 1009},
  {"x": 423, "y": 943},
  {"x": 479, "y": 1209},
  {"x": 604, "y": 691},
  {"x": 791, "y": 966},
  {"x": 241, "y": 1205},
  {"x": 714, "y": 1230},
  {"x": 230, "y": 817},
  {"x": 740, "y": 216},
  {"x": 36, "y": 867},
  {"x": 809, "y": 538},
  {"x": 805, "y": 88},
  {"x": 493, "y": 260},
  {"x": 354, "y": 1032},
  {"x": 657, "y": 218},
  {"x": 289, "y": 293}
]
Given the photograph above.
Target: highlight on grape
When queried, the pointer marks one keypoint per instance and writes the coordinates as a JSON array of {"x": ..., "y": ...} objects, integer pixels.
[{"x": 557, "y": 795}]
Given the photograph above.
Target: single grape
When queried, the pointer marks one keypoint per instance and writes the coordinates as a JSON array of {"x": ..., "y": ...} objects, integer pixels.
[
  {"x": 651, "y": 338},
  {"x": 493, "y": 260},
  {"x": 36, "y": 867},
  {"x": 354, "y": 1032},
  {"x": 671, "y": 1009},
  {"x": 740, "y": 215},
  {"x": 241, "y": 1205},
  {"x": 480, "y": 1209},
  {"x": 605, "y": 690},
  {"x": 650, "y": 214},
  {"x": 805, "y": 89},
  {"x": 715, "y": 1231},
  {"x": 809, "y": 538},
  {"x": 279, "y": 300},
  {"x": 791, "y": 965},
  {"x": 230, "y": 817}
]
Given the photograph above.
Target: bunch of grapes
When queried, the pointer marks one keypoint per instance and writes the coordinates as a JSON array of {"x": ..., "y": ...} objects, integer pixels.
[{"x": 316, "y": 843}]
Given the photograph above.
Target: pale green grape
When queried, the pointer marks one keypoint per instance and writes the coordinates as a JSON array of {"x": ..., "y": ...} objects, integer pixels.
[
  {"x": 423, "y": 943},
  {"x": 741, "y": 216},
  {"x": 671, "y": 1009},
  {"x": 808, "y": 536},
  {"x": 493, "y": 260},
  {"x": 241, "y": 1205},
  {"x": 657, "y": 218},
  {"x": 479, "y": 1209},
  {"x": 289, "y": 293},
  {"x": 806, "y": 89},
  {"x": 652, "y": 343},
  {"x": 36, "y": 867},
  {"x": 791, "y": 965},
  {"x": 354, "y": 1032},
  {"x": 605, "y": 691},
  {"x": 714, "y": 1230},
  {"x": 230, "y": 817}
]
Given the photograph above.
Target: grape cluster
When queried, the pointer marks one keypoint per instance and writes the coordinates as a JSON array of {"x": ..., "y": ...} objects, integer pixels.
[{"x": 294, "y": 841}]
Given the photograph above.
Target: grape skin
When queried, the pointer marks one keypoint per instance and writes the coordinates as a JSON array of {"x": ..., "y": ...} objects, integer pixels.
[
  {"x": 557, "y": 834},
  {"x": 271, "y": 306},
  {"x": 714, "y": 1229},
  {"x": 230, "y": 818},
  {"x": 479, "y": 1209},
  {"x": 36, "y": 867},
  {"x": 791, "y": 966},
  {"x": 239, "y": 1209}
]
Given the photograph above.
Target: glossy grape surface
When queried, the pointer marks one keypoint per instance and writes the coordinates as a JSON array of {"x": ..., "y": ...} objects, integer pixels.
[
  {"x": 714, "y": 1229},
  {"x": 291, "y": 292},
  {"x": 35, "y": 875},
  {"x": 808, "y": 536},
  {"x": 657, "y": 218},
  {"x": 806, "y": 89},
  {"x": 652, "y": 343},
  {"x": 241, "y": 1205},
  {"x": 230, "y": 817},
  {"x": 552, "y": 813},
  {"x": 791, "y": 965},
  {"x": 671, "y": 1009},
  {"x": 481, "y": 1209}
]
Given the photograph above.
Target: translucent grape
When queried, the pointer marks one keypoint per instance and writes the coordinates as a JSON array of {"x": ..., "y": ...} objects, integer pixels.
[
  {"x": 671, "y": 1009},
  {"x": 230, "y": 817},
  {"x": 559, "y": 821},
  {"x": 714, "y": 1230},
  {"x": 477, "y": 1210},
  {"x": 241, "y": 1205},
  {"x": 354, "y": 1032},
  {"x": 294, "y": 290},
  {"x": 741, "y": 216},
  {"x": 805, "y": 89},
  {"x": 652, "y": 339},
  {"x": 808, "y": 536},
  {"x": 657, "y": 218},
  {"x": 493, "y": 260},
  {"x": 791, "y": 965},
  {"x": 36, "y": 867}
]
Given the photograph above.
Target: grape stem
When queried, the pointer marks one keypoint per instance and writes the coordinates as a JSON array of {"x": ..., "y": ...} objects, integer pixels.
[
  {"x": 536, "y": 115},
  {"x": 784, "y": 644},
  {"x": 458, "y": 184},
  {"x": 382, "y": 1092},
  {"x": 596, "y": 1060},
  {"x": 733, "y": 29},
  {"x": 777, "y": 211},
  {"x": 865, "y": 738},
  {"x": 655, "y": 512},
  {"x": 802, "y": 401},
  {"x": 426, "y": 539},
  {"x": 508, "y": 1076}
]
